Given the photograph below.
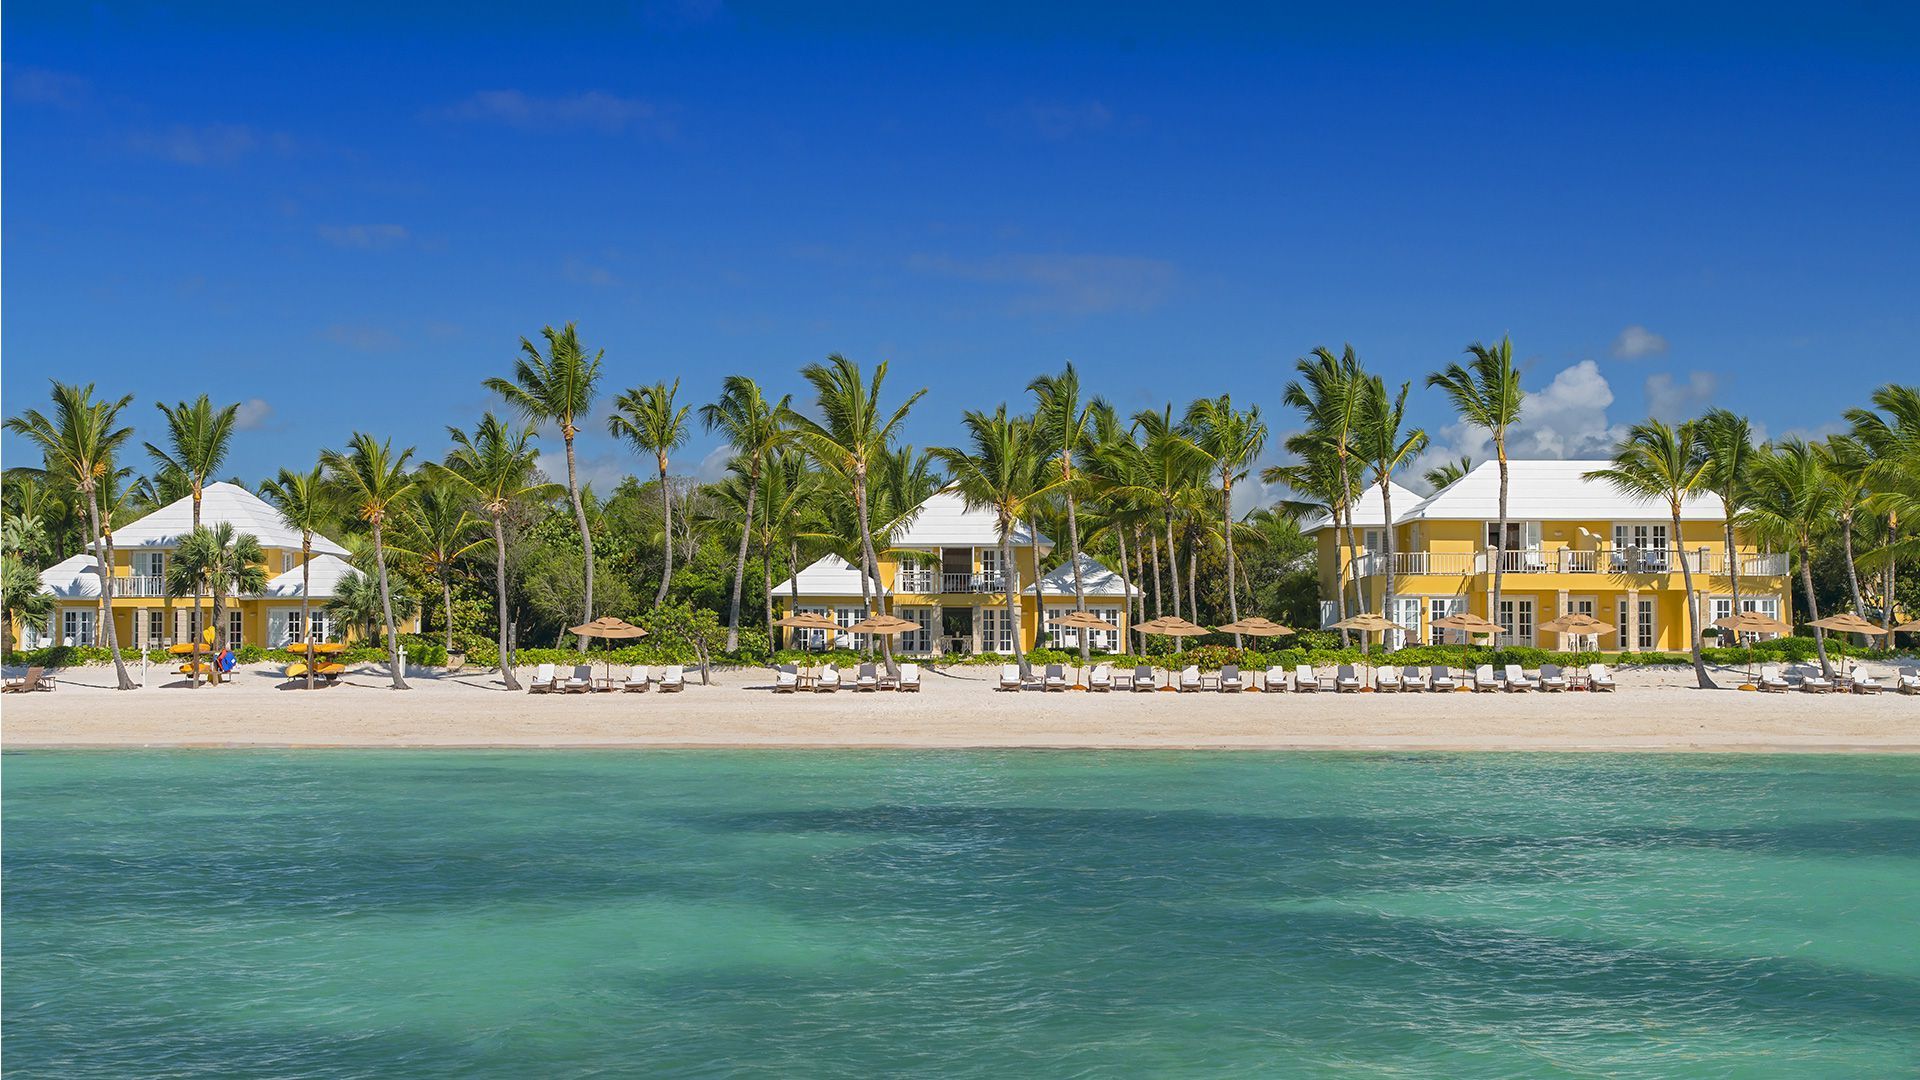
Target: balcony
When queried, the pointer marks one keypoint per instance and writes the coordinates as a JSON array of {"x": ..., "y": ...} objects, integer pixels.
[
  {"x": 1612, "y": 561},
  {"x": 972, "y": 583},
  {"x": 1404, "y": 563},
  {"x": 140, "y": 585}
]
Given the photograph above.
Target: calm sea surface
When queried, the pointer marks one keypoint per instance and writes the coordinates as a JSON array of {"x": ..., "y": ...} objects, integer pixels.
[{"x": 1007, "y": 915}]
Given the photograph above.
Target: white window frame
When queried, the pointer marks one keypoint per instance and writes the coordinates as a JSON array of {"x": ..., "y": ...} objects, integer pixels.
[
  {"x": 1408, "y": 619},
  {"x": 1442, "y": 607},
  {"x": 1588, "y": 604},
  {"x": 917, "y": 642},
  {"x": 1643, "y": 537},
  {"x": 990, "y": 569},
  {"x": 843, "y": 617},
  {"x": 77, "y": 626},
  {"x": 997, "y": 629},
  {"x": 236, "y": 629},
  {"x": 1512, "y": 608}
]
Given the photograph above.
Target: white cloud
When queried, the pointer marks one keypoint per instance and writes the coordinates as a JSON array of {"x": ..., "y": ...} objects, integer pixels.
[
  {"x": 1567, "y": 418},
  {"x": 365, "y": 237},
  {"x": 1637, "y": 342},
  {"x": 595, "y": 110},
  {"x": 1670, "y": 399},
  {"x": 1061, "y": 283},
  {"x": 713, "y": 468},
  {"x": 252, "y": 415}
]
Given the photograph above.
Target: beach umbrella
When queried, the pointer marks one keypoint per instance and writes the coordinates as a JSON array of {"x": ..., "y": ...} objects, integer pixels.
[
  {"x": 806, "y": 620},
  {"x": 1908, "y": 627},
  {"x": 1579, "y": 624},
  {"x": 1256, "y": 627},
  {"x": 1083, "y": 620},
  {"x": 1470, "y": 624},
  {"x": 608, "y": 628},
  {"x": 1848, "y": 623},
  {"x": 1367, "y": 622},
  {"x": 1752, "y": 622},
  {"x": 889, "y": 625},
  {"x": 1170, "y": 626}
]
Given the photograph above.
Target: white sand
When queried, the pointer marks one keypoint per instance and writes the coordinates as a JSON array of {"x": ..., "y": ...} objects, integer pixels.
[{"x": 1652, "y": 710}]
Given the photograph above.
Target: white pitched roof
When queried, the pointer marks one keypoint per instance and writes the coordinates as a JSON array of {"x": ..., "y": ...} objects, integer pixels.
[
  {"x": 829, "y": 575},
  {"x": 72, "y": 579},
  {"x": 1369, "y": 509},
  {"x": 248, "y": 513},
  {"x": 1548, "y": 490},
  {"x": 945, "y": 521},
  {"x": 1094, "y": 577},
  {"x": 326, "y": 573}
]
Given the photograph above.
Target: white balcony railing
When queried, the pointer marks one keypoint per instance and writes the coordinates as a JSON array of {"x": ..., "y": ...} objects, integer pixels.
[
  {"x": 140, "y": 585},
  {"x": 971, "y": 583},
  {"x": 1617, "y": 561},
  {"x": 915, "y": 580}
]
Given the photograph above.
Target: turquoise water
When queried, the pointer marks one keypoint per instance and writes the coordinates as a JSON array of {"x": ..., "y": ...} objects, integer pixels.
[{"x": 362, "y": 914}]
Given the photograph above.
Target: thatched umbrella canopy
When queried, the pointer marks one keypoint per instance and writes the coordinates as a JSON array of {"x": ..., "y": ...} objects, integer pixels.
[
  {"x": 1256, "y": 626},
  {"x": 888, "y": 625},
  {"x": 1848, "y": 623},
  {"x": 608, "y": 628},
  {"x": 1579, "y": 624},
  {"x": 1170, "y": 626},
  {"x": 1084, "y": 620}
]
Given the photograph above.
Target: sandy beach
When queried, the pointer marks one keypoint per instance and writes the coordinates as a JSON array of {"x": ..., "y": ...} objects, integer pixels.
[{"x": 1654, "y": 710}]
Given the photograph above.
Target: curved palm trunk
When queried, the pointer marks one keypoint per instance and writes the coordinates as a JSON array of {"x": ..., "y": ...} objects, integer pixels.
[
  {"x": 195, "y": 617},
  {"x": 1173, "y": 575},
  {"x": 1853, "y": 574},
  {"x": 740, "y": 564},
  {"x": 306, "y": 598},
  {"x": 766, "y": 587},
  {"x": 103, "y": 566},
  {"x": 1813, "y": 610},
  {"x": 793, "y": 579},
  {"x": 579, "y": 519},
  {"x": 1693, "y": 612},
  {"x": 1126, "y": 595},
  {"x": 872, "y": 567},
  {"x": 1010, "y": 585},
  {"x": 1079, "y": 586},
  {"x": 1233, "y": 598},
  {"x": 446, "y": 598},
  {"x": 1386, "y": 542},
  {"x": 1193, "y": 578},
  {"x": 1500, "y": 544},
  {"x": 666, "y": 533},
  {"x": 500, "y": 587},
  {"x": 1350, "y": 575},
  {"x": 386, "y": 610},
  {"x": 1159, "y": 603},
  {"x": 1733, "y": 557}
]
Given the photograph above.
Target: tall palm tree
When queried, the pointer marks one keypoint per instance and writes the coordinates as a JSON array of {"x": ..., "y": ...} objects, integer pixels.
[
  {"x": 1790, "y": 500},
  {"x": 1325, "y": 485},
  {"x": 374, "y": 483},
  {"x": 1894, "y": 440},
  {"x": 1486, "y": 394},
  {"x": 646, "y": 417},
  {"x": 495, "y": 467},
  {"x": 854, "y": 430},
  {"x": 558, "y": 386},
  {"x": 1114, "y": 480},
  {"x": 78, "y": 444},
  {"x": 1230, "y": 440},
  {"x": 1726, "y": 438},
  {"x": 1666, "y": 464},
  {"x": 1327, "y": 394},
  {"x": 358, "y": 603},
  {"x": 198, "y": 439},
  {"x": 438, "y": 530},
  {"x": 1003, "y": 469},
  {"x": 1447, "y": 472},
  {"x": 306, "y": 502},
  {"x": 1849, "y": 467},
  {"x": 1065, "y": 424},
  {"x": 25, "y": 603},
  {"x": 223, "y": 560},
  {"x": 755, "y": 429},
  {"x": 1384, "y": 441},
  {"x": 1173, "y": 467}
]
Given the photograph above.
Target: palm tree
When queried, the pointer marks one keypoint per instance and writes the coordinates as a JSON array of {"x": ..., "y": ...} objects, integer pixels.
[
  {"x": 438, "y": 530},
  {"x": 25, "y": 601},
  {"x": 1726, "y": 438},
  {"x": 1790, "y": 500},
  {"x": 198, "y": 438},
  {"x": 1065, "y": 425},
  {"x": 755, "y": 430},
  {"x": 856, "y": 431},
  {"x": 1382, "y": 439},
  {"x": 646, "y": 417},
  {"x": 375, "y": 484},
  {"x": 1173, "y": 466},
  {"x": 1005, "y": 470},
  {"x": 1849, "y": 467},
  {"x": 1115, "y": 469},
  {"x": 495, "y": 466},
  {"x": 78, "y": 444},
  {"x": 306, "y": 502},
  {"x": 1447, "y": 472},
  {"x": 224, "y": 561},
  {"x": 1667, "y": 464},
  {"x": 1328, "y": 394},
  {"x": 1230, "y": 440},
  {"x": 792, "y": 492},
  {"x": 559, "y": 387},
  {"x": 358, "y": 604},
  {"x": 1327, "y": 486},
  {"x": 1486, "y": 394},
  {"x": 1894, "y": 440}
]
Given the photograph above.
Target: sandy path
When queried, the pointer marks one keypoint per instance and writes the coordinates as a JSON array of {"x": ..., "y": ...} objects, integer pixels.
[{"x": 1652, "y": 710}]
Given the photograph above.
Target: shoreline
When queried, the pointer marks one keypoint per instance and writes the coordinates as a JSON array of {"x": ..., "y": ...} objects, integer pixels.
[{"x": 1653, "y": 711}]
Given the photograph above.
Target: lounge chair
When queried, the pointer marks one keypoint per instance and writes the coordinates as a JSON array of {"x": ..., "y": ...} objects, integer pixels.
[
  {"x": 1231, "y": 681},
  {"x": 1056, "y": 677},
  {"x": 1345, "y": 679},
  {"x": 1440, "y": 680},
  {"x": 1909, "y": 681},
  {"x": 1386, "y": 678},
  {"x": 1410, "y": 680},
  {"x": 1483, "y": 679},
  {"x": 1771, "y": 681},
  {"x": 36, "y": 678},
  {"x": 673, "y": 679},
  {"x": 1143, "y": 681},
  {"x": 1189, "y": 678},
  {"x": 542, "y": 680},
  {"x": 1866, "y": 683},
  {"x": 1100, "y": 680},
  {"x": 1305, "y": 680},
  {"x": 1275, "y": 680},
  {"x": 1010, "y": 677},
  {"x": 1518, "y": 682},
  {"x": 1552, "y": 679},
  {"x": 1599, "y": 678},
  {"x": 581, "y": 682},
  {"x": 786, "y": 679},
  {"x": 826, "y": 682},
  {"x": 866, "y": 678},
  {"x": 909, "y": 678},
  {"x": 1814, "y": 683},
  {"x": 638, "y": 680}
]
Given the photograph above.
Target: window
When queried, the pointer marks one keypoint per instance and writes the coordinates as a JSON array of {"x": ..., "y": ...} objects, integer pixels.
[
  {"x": 156, "y": 628},
  {"x": 921, "y": 640},
  {"x": 1584, "y": 605},
  {"x": 990, "y": 569},
  {"x": 76, "y": 626},
  {"x": 1635, "y": 626},
  {"x": 916, "y": 572},
  {"x": 845, "y": 617},
  {"x": 148, "y": 564},
  {"x": 1407, "y": 615},
  {"x": 805, "y": 639},
  {"x": 1371, "y": 541},
  {"x": 1516, "y": 618},
  {"x": 1640, "y": 547},
  {"x": 234, "y": 627},
  {"x": 1442, "y": 607},
  {"x": 996, "y": 630}
]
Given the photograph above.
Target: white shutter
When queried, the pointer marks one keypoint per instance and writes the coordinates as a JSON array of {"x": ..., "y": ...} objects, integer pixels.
[
  {"x": 1533, "y": 536},
  {"x": 276, "y": 628}
]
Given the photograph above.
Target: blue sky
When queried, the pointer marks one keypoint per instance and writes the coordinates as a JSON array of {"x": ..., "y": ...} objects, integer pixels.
[{"x": 349, "y": 217}]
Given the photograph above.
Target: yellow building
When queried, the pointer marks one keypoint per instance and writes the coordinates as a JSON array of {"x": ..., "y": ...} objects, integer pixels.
[
  {"x": 139, "y": 606},
  {"x": 1571, "y": 544},
  {"x": 943, "y": 570}
]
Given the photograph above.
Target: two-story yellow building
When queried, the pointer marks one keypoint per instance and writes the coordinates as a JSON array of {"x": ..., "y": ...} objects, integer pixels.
[
  {"x": 139, "y": 605},
  {"x": 1571, "y": 544},
  {"x": 943, "y": 570}
]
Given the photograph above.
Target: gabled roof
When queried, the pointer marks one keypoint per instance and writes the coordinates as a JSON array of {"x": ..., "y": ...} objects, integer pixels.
[
  {"x": 326, "y": 573},
  {"x": 945, "y": 521},
  {"x": 1095, "y": 578},
  {"x": 829, "y": 575},
  {"x": 248, "y": 513},
  {"x": 1369, "y": 509},
  {"x": 1548, "y": 490},
  {"x": 72, "y": 579}
]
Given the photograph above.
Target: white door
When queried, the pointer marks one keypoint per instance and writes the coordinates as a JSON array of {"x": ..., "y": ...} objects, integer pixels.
[
  {"x": 1441, "y": 607},
  {"x": 1590, "y": 607},
  {"x": 1406, "y": 612},
  {"x": 1516, "y": 618}
]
